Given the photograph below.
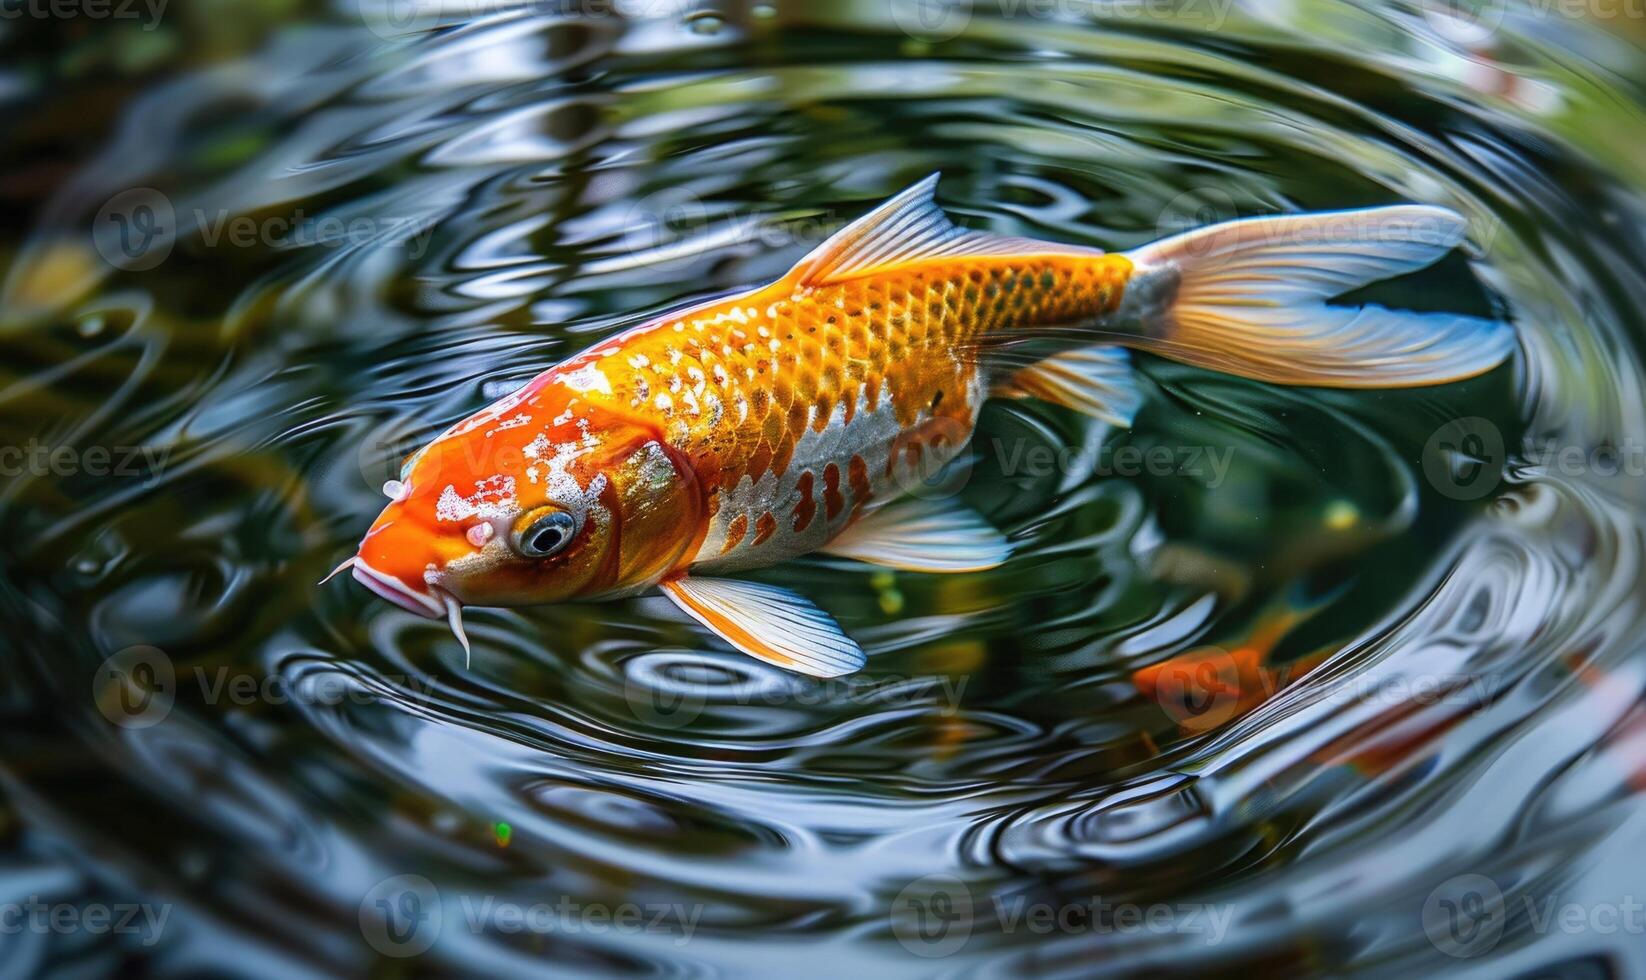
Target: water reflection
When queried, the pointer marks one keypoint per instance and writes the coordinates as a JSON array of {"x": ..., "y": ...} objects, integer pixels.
[{"x": 1303, "y": 694}]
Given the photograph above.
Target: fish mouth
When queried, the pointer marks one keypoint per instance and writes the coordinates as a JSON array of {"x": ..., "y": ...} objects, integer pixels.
[
  {"x": 436, "y": 605},
  {"x": 390, "y": 588}
]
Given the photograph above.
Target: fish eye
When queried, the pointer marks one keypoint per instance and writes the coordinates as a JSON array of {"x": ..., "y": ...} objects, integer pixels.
[{"x": 546, "y": 535}]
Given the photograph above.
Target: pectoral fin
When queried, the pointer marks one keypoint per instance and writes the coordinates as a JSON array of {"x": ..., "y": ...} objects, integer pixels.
[
  {"x": 923, "y": 536},
  {"x": 1094, "y": 381},
  {"x": 769, "y": 623}
]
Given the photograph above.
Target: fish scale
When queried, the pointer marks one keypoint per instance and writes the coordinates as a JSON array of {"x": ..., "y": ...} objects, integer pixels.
[{"x": 908, "y": 338}]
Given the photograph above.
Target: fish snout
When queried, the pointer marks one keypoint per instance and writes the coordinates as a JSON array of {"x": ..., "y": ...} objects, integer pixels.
[
  {"x": 396, "y": 590},
  {"x": 403, "y": 562},
  {"x": 393, "y": 566}
]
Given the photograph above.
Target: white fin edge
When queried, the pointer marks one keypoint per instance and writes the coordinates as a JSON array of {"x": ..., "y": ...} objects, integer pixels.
[
  {"x": 1248, "y": 298},
  {"x": 921, "y": 535},
  {"x": 1094, "y": 381},
  {"x": 769, "y": 624}
]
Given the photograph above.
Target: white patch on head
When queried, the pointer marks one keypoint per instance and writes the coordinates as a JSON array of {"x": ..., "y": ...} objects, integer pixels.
[
  {"x": 563, "y": 417},
  {"x": 587, "y": 378},
  {"x": 512, "y": 422},
  {"x": 492, "y": 497},
  {"x": 558, "y": 482}
]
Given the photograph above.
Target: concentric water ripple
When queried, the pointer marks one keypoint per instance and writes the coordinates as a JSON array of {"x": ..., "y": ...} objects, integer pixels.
[{"x": 1337, "y": 659}]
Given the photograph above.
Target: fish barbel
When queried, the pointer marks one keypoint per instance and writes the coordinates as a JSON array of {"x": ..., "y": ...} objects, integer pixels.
[{"x": 791, "y": 418}]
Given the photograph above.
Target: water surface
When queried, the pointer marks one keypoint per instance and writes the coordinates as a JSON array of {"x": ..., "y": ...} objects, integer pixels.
[{"x": 1279, "y": 679}]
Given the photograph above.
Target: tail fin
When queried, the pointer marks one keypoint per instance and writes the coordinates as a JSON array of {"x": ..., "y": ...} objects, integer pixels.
[{"x": 1250, "y": 300}]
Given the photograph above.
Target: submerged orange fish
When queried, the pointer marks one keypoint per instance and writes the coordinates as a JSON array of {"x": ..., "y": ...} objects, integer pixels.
[{"x": 787, "y": 419}]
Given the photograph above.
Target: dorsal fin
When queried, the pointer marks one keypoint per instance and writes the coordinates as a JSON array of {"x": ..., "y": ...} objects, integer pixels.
[{"x": 908, "y": 228}]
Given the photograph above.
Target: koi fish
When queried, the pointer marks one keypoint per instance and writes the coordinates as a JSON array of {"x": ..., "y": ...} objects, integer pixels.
[{"x": 743, "y": 431}]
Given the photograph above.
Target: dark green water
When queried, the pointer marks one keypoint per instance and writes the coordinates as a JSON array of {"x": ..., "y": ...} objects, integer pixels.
[{"x": 1280, "y": 679}]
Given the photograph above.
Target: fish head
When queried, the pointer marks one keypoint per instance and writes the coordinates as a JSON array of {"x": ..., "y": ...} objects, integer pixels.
[{"x": 543, "y": 497}]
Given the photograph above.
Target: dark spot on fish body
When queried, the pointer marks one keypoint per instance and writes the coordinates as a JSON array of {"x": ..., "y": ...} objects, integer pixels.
[
  {"x": 806, "y": 508},
  {"x": 857, "y": 480},
  {"x": 764, "y": 527},
  {"x": 735, "y": 532},
  {"x": 825, "y": 410},
  {"x": 833, "y": 502}
]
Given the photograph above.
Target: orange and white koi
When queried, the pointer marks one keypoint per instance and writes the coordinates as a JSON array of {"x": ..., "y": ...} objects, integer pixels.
[{"x": 787, "y": 419}]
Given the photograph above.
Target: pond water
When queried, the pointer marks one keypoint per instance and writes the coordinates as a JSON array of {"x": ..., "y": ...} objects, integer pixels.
[{"x": 1278, "y": 679}]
